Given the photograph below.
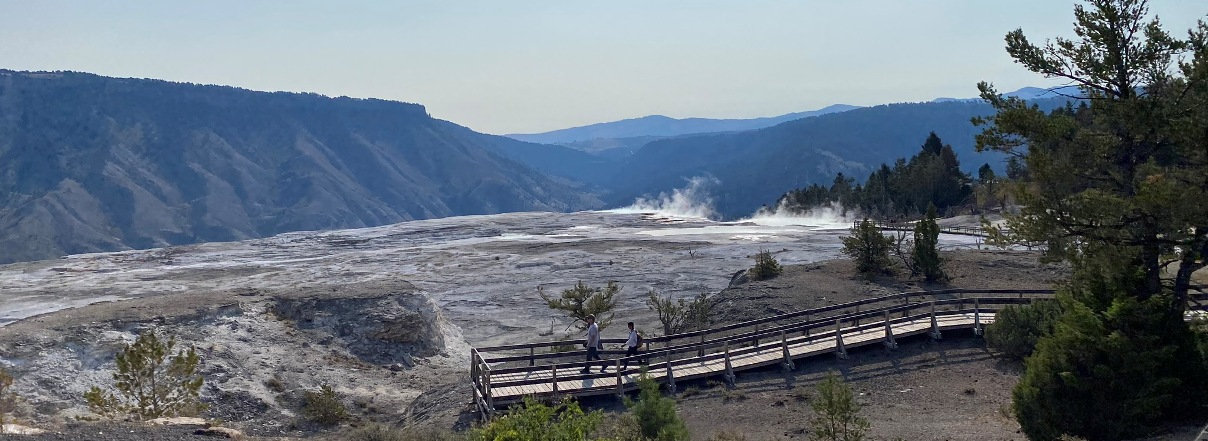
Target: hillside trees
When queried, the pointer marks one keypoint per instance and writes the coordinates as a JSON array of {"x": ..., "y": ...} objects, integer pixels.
[
  {"x": 1120, "y": 191},
  {"x": 932, "y": 176}
]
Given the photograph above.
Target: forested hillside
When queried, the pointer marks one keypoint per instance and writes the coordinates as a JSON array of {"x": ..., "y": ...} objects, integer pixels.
[
  {"x": 89, "y": 163},
  {"x": 757, "y": 167}
]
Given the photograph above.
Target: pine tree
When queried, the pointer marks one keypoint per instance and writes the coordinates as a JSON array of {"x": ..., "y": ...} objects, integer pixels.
[
  {"x": 150, "y": 382},
  {"x": 836, "y": 412},
  {"x": 582, "y": 301},
  {"x": 926, "y": 254},
  {"x": 868, "y": 248},
  {"x": 655, "y": 414}
]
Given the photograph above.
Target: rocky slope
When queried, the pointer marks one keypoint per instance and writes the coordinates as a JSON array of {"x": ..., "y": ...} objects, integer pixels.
[{"x": 89, "y": 163}]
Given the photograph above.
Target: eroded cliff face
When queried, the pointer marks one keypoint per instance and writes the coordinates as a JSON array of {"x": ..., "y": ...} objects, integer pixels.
[
  {"x": 260, "y": 352},
  {"x": 97, "y": 164}
]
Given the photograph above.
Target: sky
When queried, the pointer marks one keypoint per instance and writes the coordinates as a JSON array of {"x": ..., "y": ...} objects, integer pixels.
[{"x": 521, "y": 66}]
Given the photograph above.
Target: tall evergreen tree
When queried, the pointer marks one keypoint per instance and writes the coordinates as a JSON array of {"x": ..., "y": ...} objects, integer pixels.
[{"x": 1119, "y": 188}]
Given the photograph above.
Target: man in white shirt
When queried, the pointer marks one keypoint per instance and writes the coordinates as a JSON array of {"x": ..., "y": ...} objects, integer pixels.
[
  {"x": 631, "y": 345},
  {"x": 593, "y": 345}
]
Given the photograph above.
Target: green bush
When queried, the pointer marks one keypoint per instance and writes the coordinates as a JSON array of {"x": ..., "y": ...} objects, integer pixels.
[
  {"x": 836, "y": 412},
  {"x": 925, "y": 254},
  {"x": 1016, "y": 328},
  {"x": 324, "y": 406},
  {"x": 150, "y": 383},
  {"x": 766, "y": 266},
  {"x": 868, "y": 248},
  {"x": 1114, "y": 374},
  {"x": 679, "y": 315},
  {"x": 655, "y": 414},
  {"x": 534, "y": 421}
]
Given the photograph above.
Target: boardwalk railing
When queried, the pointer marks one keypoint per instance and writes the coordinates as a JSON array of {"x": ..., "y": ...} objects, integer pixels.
[
  {"x": 909, "y": 226},
  {"x": 503, "y": 375}
]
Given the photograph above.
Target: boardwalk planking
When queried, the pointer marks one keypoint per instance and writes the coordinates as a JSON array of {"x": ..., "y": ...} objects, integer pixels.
[{"x": 767, "y": 353}]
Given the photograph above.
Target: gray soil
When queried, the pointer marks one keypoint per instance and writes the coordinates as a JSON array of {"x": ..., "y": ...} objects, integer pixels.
[{"x": 389, "y": 337}]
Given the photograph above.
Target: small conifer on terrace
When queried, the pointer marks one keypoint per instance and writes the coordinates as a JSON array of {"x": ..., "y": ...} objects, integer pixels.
[
  {"x": 655, "y": 414},
  {"x": 836, "y": 412},
  {"x": 766, "y": 266},
  {"x": 582, "y": 301},
  {"x": 868, "y": 248},
  {"x": 150, "y": 382}
]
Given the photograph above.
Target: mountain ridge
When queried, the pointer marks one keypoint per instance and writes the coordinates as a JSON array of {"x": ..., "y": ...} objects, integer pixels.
[
  {"x": 665, "y": 126},
  {"x": 92, "y": 163}
]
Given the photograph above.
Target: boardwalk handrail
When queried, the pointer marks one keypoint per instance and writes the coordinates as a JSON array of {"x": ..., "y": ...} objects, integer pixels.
[
  {"x": 817, "y": 324},
  {"x": 823, "y": 309}
]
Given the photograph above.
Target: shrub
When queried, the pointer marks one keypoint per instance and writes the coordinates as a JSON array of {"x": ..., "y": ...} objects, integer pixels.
[
  {"x": 6, "y": 398},
  {"x": 678, "y": 316},
  {"x": 582, "y": 301},
  {"x": 534, "y": 421},
  {"x": 925, "y": 254},
  {"x": 1017, "y": 328},
  {"x": 1115, "y": 374},
  {"x": 150, "y": 383},
  {"x": 655, "y": 413},
  {"x": 766, "y": 266},
  {"x": 324, "y": 406},
  {"x": 836, "y": 412},
  {"x": 868, "y": 248}
]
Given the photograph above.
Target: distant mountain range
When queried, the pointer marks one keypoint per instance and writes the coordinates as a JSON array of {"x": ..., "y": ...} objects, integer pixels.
[
  {"x": 90, "y": 163},
  {"x": 755, "y": 167},
  {"x": 660, "y": 126}
]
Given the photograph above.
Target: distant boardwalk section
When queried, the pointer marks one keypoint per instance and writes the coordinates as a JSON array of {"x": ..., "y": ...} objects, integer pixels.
[{"x": 503, "y": 375}]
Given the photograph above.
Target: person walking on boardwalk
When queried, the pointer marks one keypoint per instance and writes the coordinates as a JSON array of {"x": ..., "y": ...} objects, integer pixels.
[
  {"x": 632, "y": 344},
  {"x": 593, "y": 345}
]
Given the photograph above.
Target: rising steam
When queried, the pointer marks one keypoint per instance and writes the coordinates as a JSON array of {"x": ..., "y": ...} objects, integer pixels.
[
  {"x": 827, "y": 217},
  {"x": 691, "y": 201}
]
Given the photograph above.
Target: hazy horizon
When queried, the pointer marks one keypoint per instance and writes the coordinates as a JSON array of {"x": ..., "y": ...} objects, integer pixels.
[{"x": 523, "y": 67}]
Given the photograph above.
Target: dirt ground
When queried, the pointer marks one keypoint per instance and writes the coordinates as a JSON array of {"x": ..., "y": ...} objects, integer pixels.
[{"x": 836, "y": 281}]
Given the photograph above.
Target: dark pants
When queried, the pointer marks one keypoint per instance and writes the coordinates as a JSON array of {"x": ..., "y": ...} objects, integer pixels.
[
  {"x": 629, "y": 352},
  {"x": 593, "y": 354}
]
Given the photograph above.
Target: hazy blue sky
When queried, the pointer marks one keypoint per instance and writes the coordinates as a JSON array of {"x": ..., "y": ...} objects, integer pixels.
[{"x": 526, "y": 66}]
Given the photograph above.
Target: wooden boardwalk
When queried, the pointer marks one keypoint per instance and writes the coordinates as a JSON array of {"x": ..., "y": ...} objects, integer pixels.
[{"x": 503, "y": 375}]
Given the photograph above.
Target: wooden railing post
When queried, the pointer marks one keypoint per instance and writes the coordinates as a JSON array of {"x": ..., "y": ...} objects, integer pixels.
[
  {"x": 701, "y": 351},
  {"x": 474, "y": 383},
  {"x": 977, "y": 327},
  {"x": 729, "y": 375},
  {"x": 840, "y": 350},
  {"x": 935, "y": 326},
  {"x": 890, "y": 342},
  {"x": 486, "y": 386},
  {"x": 532, "y": 360},
  {"x": 553, "y": 375},
  {"x": 756, "y": 335},
  {"x": 670, "y": 375},
  {"x": 806, "y": 332},
  {"x": 620, "y": 380},
  {"x": 788, "y": 358}
]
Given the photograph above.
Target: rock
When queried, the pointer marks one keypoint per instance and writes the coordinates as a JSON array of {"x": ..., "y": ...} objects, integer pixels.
[
  {"x": 219, "y": 432},
  {"x": 178, "y": 421},
  {"x": 739, "y": 278},
  {"x": 17, "y": 429}
]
